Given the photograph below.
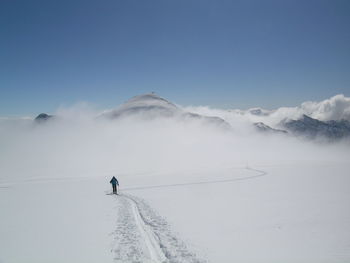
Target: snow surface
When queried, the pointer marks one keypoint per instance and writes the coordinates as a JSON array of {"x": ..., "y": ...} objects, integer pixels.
[
  {"x": 292, "y": 212},
  {"x": 190, "y": 191},
  {"x": 63, "y": 220}
]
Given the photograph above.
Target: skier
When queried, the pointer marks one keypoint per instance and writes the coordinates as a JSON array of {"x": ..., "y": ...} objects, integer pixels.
[{"x": 114, "y": 183}]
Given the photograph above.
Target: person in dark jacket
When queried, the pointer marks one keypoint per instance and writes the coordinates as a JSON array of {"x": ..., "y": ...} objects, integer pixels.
[{"x": 114, "y": 183}]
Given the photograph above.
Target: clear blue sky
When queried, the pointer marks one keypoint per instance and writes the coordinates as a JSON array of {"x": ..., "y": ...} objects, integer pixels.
[{"x": 228, "y": 54}]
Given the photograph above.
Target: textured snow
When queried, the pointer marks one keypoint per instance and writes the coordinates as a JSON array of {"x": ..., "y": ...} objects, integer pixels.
[
  {"x": 291, "y": 212},
  {"x": 295, "y": 213},
  {"x": 190, "y": 192}
]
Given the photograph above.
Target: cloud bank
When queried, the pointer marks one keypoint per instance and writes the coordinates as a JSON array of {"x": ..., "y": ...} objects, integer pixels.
[
  {"x": 77, "y": 143},
  {"x": 334, "y": 108}
]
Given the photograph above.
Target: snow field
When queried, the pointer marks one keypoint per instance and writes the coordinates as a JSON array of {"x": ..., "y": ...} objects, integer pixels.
[{"x": 287, "y": 212}]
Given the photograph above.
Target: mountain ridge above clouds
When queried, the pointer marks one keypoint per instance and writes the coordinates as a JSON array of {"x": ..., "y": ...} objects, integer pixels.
[
  {"x": 312, "y": 128},
  {"x": 329, "y": 119},
  {"x": 262, "y": 127},
  {"x": 42, "y": 117},
  {"x": 335, "y": 108},
  {"x": 298, "y": 121},
  {"x": 151, "y": 106},
  {"x": 147, "y": 107}
]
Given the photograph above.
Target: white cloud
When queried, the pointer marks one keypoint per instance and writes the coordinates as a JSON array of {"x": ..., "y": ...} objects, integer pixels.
[
  {"x": 78, "y": 144},
  {"x": 334, "y": 108}
]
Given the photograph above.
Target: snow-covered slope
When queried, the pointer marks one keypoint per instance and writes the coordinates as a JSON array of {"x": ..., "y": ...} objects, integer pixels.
[
  {"x": 283, "y": 212},
  {"x": 261, "y": 127},
  {"x": 189, "y": 192},
  {"x": 148, "y": 107},
  {"x": 328, "y": 118},
  {"x": 335, "y": 108},
  {"x": 313, "y": 128},
  {"x": 151, "y": 106},
  {"x": 294, "y": 213}
]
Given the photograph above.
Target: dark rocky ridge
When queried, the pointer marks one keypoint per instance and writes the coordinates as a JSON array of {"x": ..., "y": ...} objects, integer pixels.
[
  {"x": 312, "y": 128},
  {"x": 43, "y": 117},
  {"x": 262, "y": 127}
]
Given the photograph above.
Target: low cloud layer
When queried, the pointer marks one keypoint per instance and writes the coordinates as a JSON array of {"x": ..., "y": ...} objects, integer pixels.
[
  {"x": 77, "y": 143},
  {"x": 334, "y": 108}
]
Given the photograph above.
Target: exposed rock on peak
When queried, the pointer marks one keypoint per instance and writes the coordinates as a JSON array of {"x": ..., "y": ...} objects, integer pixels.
[
  {"x": 147, "y": 104},
  {"x": 259, "y": 112},
  {"x": 312, "y": 128},
  {"x": 42, "y": 117},
  {"x": 262, "y": 127},
  {"x": 151, "y": 106}
]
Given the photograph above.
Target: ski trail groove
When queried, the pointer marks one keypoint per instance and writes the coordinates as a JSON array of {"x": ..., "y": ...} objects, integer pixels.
[
  {"x": 144, "y": 236},
  {"x": 261, "y": 173},
  {"x": 134, "y": 241},
  {"x": 150, "y": 239}
]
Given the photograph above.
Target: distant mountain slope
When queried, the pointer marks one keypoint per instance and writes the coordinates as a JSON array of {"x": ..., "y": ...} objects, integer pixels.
[
  {"x": 42, "y": 117},
  {"x": 262, "y": 127},
  {"x": 312, "y": 128},
  {"x": 259, "y": 112},
  {"x": 151, "y": 106}
]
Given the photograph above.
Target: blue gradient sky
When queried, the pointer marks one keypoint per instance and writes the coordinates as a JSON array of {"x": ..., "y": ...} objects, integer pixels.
[{"x": 228, "y": 54}]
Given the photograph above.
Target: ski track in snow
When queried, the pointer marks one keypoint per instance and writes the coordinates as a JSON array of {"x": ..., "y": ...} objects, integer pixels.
[
  {"x": 144, "y": 236},
  {"x": 261, "y": 173},
  {"x": 134, "y": 240}
]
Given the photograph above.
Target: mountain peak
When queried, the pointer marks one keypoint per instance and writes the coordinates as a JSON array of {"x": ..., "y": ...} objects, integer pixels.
[
  {"x": 312, "y": 128},
  {"x": 147, "y": 96},
  {"x": 150, "y": 104},
  {"x": 262, "y": 127},
  {"x": 43, "y": 117},
  {"x": 148, "y": 99}
]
